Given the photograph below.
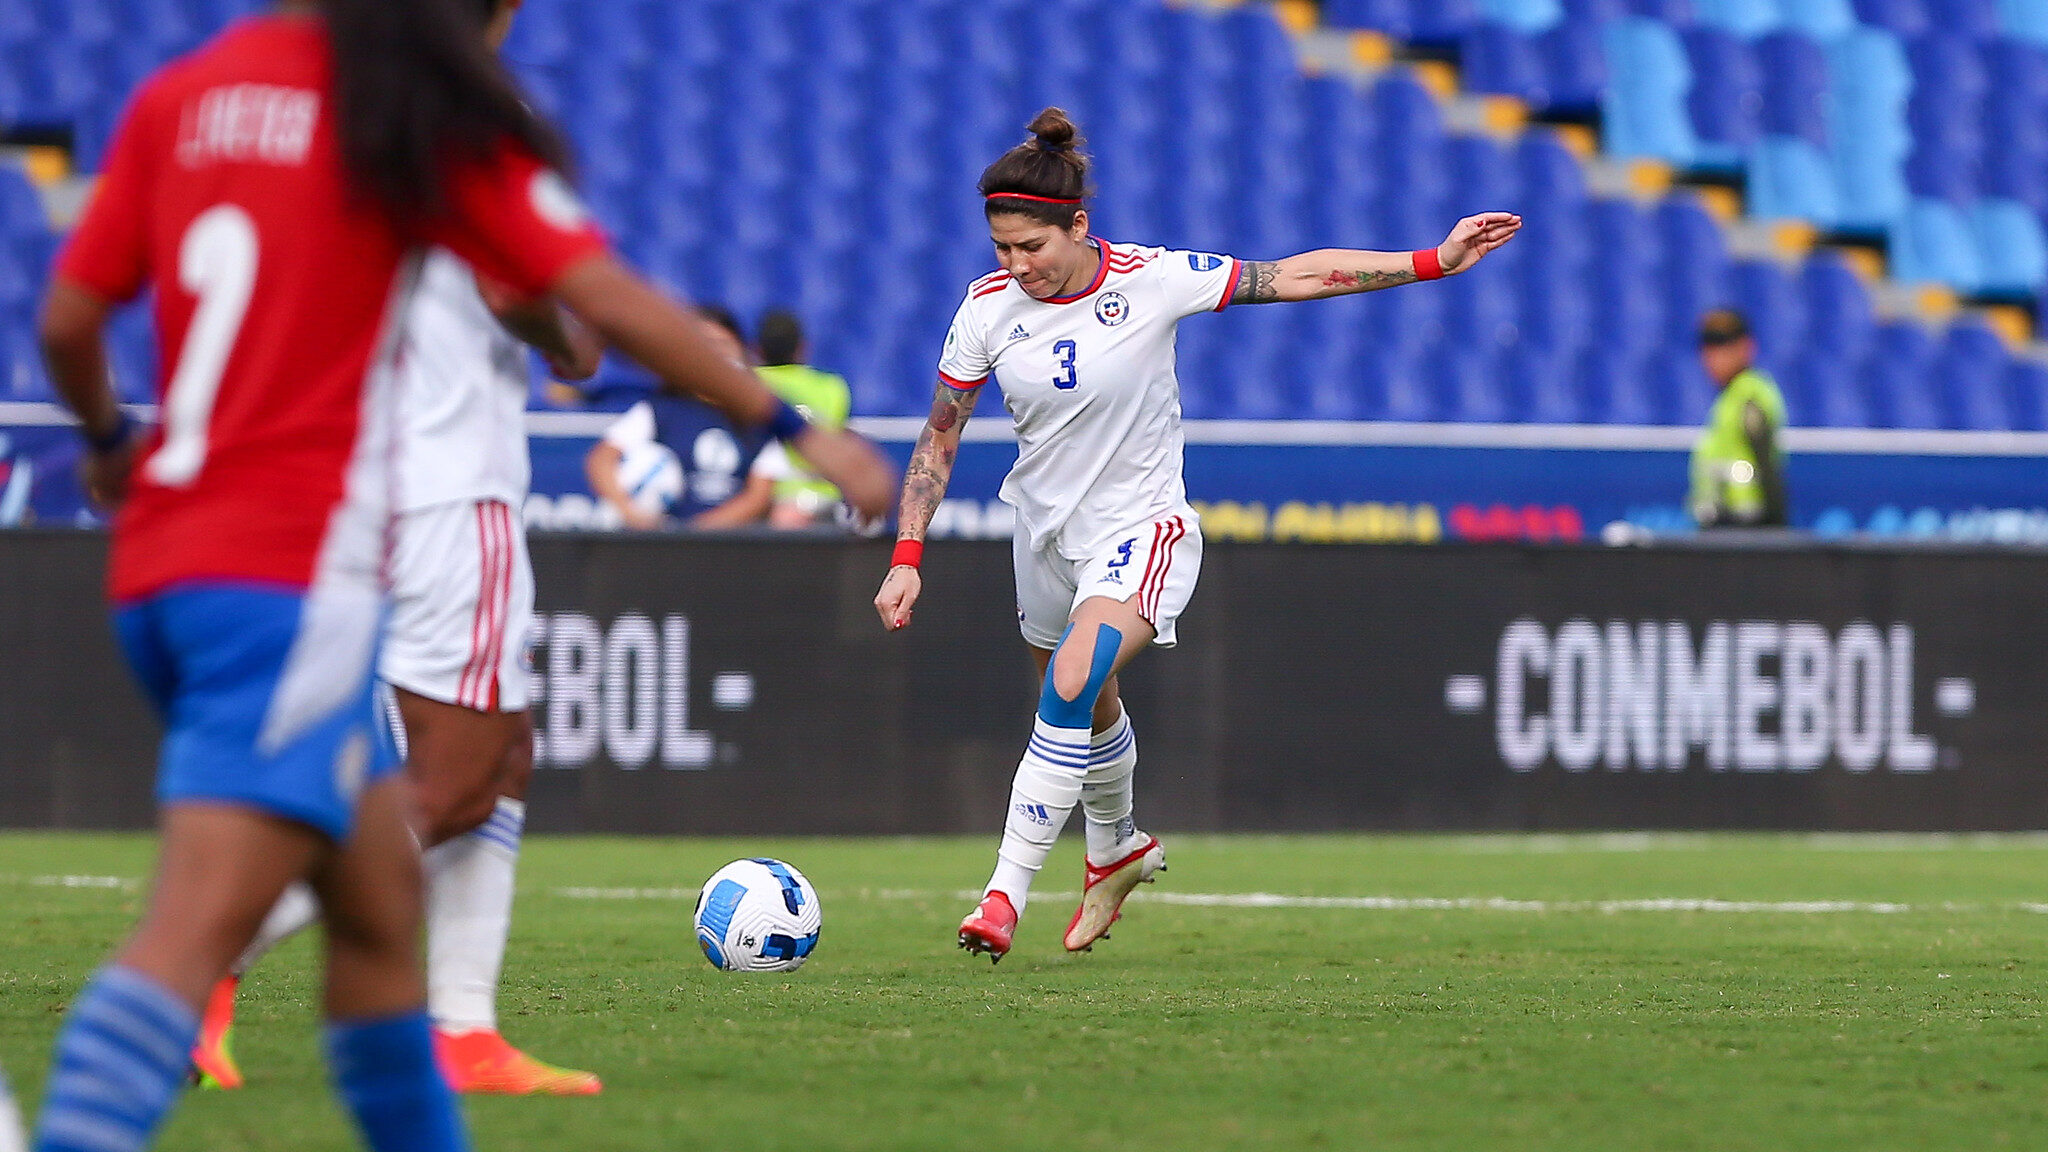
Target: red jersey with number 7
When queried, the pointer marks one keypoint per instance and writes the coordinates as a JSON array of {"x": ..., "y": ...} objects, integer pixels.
[{"x": 276, "y": 288}]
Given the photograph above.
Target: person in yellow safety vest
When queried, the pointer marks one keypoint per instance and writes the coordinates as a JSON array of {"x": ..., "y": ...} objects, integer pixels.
[
  {"x": 1738, "y": 464},
  {"x": 801, "y": 498}
]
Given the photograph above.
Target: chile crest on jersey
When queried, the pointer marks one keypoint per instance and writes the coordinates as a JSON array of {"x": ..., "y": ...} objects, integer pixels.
[{"x": 1112, "y": 309}]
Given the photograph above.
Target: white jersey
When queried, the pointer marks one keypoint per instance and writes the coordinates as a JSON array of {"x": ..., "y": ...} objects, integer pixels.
[
  {"x": 1089, "y": 382},
  {"x": 462, "y": 382}
]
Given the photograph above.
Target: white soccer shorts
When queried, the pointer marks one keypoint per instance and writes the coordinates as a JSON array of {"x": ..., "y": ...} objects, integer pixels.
[
  {"x": 462, "y": 606},
  {"x": 1157, "y": 562}
]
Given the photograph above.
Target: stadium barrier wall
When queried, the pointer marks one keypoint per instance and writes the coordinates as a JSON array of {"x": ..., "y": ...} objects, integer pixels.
[
  {"x": 1341, "y": 482},
  {"x": 744, "y": 685}
]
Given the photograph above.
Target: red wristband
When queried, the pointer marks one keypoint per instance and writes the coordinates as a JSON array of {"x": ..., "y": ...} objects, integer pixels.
[
  {"x": 908, "y": 552},
  {"x": 1428, "y": 265}
]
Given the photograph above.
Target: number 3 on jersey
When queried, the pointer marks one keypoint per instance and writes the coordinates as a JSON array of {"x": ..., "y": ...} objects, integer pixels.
[
  {"x": 216, "y": 263},
  {"x": 1066, "y": 380}
]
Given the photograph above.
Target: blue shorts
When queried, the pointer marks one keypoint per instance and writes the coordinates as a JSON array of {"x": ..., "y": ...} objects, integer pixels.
[{"x": 266, "y": 697}]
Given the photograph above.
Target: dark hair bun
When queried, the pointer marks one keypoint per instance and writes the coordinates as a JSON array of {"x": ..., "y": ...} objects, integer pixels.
[{"x": 1054, "y": 132}]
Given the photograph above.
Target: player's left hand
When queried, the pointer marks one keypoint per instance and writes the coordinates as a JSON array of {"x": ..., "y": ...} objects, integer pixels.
[{"x": 1474, "y": 237}]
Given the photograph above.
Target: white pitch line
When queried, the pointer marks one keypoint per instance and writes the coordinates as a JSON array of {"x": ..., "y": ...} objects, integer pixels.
[{"x": 1379, "y": 903}]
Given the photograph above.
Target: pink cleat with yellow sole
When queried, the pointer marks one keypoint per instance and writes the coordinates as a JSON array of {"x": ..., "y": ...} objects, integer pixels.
[{"x": 480, "y": 1060}]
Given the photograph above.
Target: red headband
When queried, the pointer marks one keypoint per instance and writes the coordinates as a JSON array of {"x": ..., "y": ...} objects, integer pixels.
[{"x": 1022, "y": 196}]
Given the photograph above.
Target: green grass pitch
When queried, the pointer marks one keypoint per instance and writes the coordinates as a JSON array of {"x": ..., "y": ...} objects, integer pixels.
[{"x": 1509, "y": 993}]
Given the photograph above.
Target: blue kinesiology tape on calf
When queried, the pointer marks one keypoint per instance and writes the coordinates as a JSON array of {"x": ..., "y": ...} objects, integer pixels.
[{"x": 1079, "y": 712}]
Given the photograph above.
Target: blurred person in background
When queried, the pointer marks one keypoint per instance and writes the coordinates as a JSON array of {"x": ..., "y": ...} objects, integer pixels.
[
  {"x": 673, "y": 459},
  {"x": 802, "y": 500},
  {"x": 1738, "y": 464}
]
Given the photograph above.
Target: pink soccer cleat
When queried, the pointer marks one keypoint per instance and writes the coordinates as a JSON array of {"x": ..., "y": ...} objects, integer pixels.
[
  {"x": 989, "y": 930},
  {"x": 1102, "y": 897}
]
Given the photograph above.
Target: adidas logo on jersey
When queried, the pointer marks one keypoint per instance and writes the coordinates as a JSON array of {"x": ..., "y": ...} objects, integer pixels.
[{"x": 1017, "y": 333}]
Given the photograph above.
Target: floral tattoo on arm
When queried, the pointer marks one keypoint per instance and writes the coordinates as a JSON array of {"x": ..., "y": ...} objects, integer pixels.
[{"x": 931, "y": 464}]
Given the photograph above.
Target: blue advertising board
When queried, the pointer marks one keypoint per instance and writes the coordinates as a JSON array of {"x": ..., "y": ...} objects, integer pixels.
[{"x": 1326, "y": 482}]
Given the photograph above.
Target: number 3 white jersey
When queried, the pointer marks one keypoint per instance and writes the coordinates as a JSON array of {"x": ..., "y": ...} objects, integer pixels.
[
  {"x": 1089, "y": 382},
  {"x": 462, "y": 382}
]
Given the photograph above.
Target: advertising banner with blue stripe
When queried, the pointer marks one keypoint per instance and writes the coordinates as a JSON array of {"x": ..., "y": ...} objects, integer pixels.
[{"x": 1324, "y": 482}]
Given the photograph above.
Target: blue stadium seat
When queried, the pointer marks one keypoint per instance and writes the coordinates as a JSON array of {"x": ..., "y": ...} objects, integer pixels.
[
  {"x": 1775, "y": 306},
  {"x": 2012, "y": 252},
  {"x": 21, "y": 209},
  {"x": 1392, "y": 17},
  {"x": 2026, "y": 381},
  {"x": 1696, "y": 267},
  {"x": 1869, "y": 86},
  {"x": 1574, "y": 58},
  {"x": 1551, "y": 180},
  {"x": 2024, "y": 20},
  {"x": 1594, "y": 11},
  {"x": 1506, "y": 61},
  {"x": 1616, "y": 384},
  {"x": 1945, "y": 113},
  {"x": 1825, "y": 391},
  {"x": 1746, "y": 18},
  {"x": 1902, "y": 17},
  {"x": 1543, "y": 386},
  {"x": 1626, "y": 295},
  {"x": 1821, "y": 19},
  {"x": 1400, "y": 386},
  {"x": 1522, "y": 15},
  {"x": 1790, "y": 179},
  {"x": 1933, "y": 243},
  {"x": 1677, "y": 13},
  {"x": 1840, "y": 317},
  {"x": 1680, "y": 383},
  {"x": 1441, "y": 21},
  {"x": 1976, "y": 19},
  {"x": 1726, "y": 101},
  {"x": 1972, "y": 371},
  {"x": 1795, "y": 87},
  {"x": 1468, "y": 382},
  {"x": 1898, "y": 374},
  {"x": 1644, "y": 111}
]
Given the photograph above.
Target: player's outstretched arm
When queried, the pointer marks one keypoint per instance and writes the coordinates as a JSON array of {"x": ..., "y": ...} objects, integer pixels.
[
  {"x": 73, "y": 332},
  {"x": 1345, "y": 271},
  {"x": 654, "y": 330},
  {"x": 924, "y": 486}
]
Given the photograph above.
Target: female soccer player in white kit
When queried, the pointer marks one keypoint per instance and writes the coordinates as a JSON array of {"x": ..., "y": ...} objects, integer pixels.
[{"x": 1107, "y": 548}]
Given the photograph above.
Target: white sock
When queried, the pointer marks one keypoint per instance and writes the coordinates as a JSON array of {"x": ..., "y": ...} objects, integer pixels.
[
  {"x": 292, "y": 912},
  {"x": 1106, "y": 793},
  {"x": 1047, "y": 786},
  {"x": 469, "y": 914}
]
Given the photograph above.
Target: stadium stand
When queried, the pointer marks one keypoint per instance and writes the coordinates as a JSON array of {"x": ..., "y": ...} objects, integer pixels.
[{"x": 821, "y": 155}]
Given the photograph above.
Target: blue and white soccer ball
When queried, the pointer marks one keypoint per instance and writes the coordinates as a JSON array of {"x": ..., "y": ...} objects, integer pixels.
[{"x": 758, "y": 915}]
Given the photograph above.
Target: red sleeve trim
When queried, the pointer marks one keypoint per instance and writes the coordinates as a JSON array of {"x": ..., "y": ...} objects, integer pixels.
[
  {"x": 1230, "y": 289},
  {"x": 961, "y": 385}
]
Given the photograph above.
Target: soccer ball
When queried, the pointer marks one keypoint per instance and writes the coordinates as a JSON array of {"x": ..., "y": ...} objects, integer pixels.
[
  {"x": 757, "y": 915},
  {"x": 652, "y": 477}
]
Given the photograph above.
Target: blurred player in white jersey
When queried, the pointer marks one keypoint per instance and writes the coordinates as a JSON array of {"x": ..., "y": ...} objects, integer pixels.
[
  {"x": 1107, "y": 549},
  {"x": 455, "y": 654}
]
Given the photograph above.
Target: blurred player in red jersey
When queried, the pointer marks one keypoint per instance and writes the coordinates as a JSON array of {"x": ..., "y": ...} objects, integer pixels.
[
  {"x": 456, "y": 653},
  {"x": 273, "y": 188}
]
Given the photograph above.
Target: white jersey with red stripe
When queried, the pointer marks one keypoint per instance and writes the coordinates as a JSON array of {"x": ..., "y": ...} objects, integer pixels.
[
  {"x": 1089, "y": 382},
  {"x": 462, "y": 385}
]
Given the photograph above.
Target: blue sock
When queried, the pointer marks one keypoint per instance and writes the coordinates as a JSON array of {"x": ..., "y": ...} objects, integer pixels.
[
  {"x": 385, "y": 1072},
  {"x": 121, "y": 1059}
]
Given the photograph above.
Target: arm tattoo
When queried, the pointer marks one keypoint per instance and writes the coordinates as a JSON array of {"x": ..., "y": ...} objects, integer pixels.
[
  {"x": 931, "y": 464},
  {"x": 1367, "y": 281},
  {"x": 1257, "y": 283}
]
